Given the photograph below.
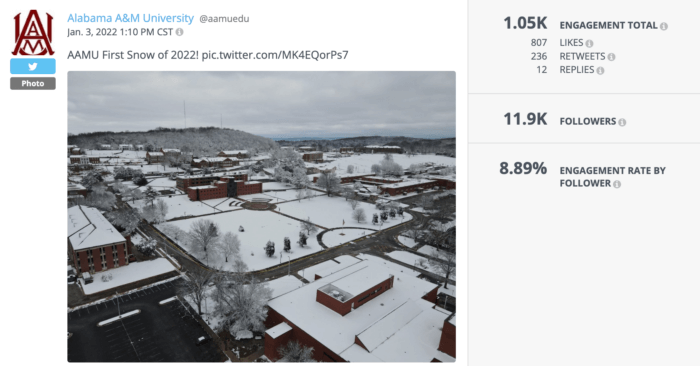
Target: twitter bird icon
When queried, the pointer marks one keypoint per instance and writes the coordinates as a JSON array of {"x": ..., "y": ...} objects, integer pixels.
[{"x": 37, "y": 66}]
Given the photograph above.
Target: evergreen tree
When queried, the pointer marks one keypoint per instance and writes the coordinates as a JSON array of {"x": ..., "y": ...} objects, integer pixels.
[
  {"x": 375, "y": 219},
  {"x": 302, "y": 239},
  {"x": 270, "y": 248},
  {"x": 287, "y": 244}
]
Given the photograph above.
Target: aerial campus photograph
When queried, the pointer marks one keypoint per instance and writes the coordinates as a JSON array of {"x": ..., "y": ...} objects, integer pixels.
[{"x": 262, "y": 217}]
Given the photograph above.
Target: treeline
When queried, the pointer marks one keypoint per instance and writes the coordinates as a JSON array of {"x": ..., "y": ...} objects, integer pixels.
[
  {"x": 409, "y": 144},
  {"x": 198, "y": 140}
]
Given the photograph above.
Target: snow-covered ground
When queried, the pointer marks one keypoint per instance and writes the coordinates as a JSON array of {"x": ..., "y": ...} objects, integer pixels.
[
  {"x": 451, "y": 290},
  {"x": 428, "y": 250},
  {"x": 407, "y": 241},
  {"x": 336, "y": 237},
  {"x": 260, "y": 226},
  {"x": 275, "y": 185},
  {"x": 288, "y": 195},
  {"x": 123, "y": 275},
  {"x": 330, "y": 212},
  {"x": 161, "y": 182},
  {"x": 363, "y": 162},
  {"x": 179, "y": 206}
]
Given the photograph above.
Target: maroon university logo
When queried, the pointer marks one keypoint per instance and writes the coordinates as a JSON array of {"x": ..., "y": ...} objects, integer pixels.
[{"x": 33, "y": 40}]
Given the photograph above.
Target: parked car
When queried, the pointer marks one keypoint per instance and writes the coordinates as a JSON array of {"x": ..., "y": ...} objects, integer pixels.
[{"x": 201, "y": 340}]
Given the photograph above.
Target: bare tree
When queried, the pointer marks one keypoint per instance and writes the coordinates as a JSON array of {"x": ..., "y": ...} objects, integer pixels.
[
  {"x": 353, "y": 203},
  {"x": 230, "y": 245},
  {"x": 350, "y": 169},
  {"x": 150, "y": 195},
  {"x": 301, "y": 193},
  {"x": 445, "y": 259},
  {"x": 328, "y": 181},
  {"x": 307, "y": 226},
  {"x": 204, "y": 237},
  {"x": 359, "y": 215},
  {"x": 195, "y": 287},
  {"x": 293, "y": 351}
]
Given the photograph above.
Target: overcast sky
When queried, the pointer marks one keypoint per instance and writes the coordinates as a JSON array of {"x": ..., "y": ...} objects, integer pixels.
[{"x": 271, "y": 104}]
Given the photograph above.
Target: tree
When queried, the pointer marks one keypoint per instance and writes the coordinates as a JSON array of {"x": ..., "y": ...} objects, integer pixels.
[
  {"x": 241, "y": 229},
  {"x": 445, "y": 259},
  {"x": 161, "y": 210},
  {"x": 302, "y": 239},
  {"x": 300, "y": 194},
  {"x": 195, "y": 287},
  {"x": 347, "y": 193},
  {"x": 359, "y": 215},
  {"x": 134, "y": 194},
  {"x": 350, "y": 169},
  {"x": 91, "y": 179},
  {"x": 270, "y": 248},
  {"x": 353, "y": 203},
  {"x": 375, "y": 219},
  {"x": 287, "y": 244},
  {"x": 140, "y": 181},
  {"x": 241, "y": 300},
  {"x": 146, "y": 247},
  {"x": 150, "y": 195},
  {"x": 388, "y": 157},
  {"x": 125, "y": 218},
  {"x": 99, "y": 198},
  {"x": 392, "y": 213},
  {"x": 307, "y": 226},
  {"x": 230, "y": 245},
  {"x": 399, "y": 211},
  {"x": 293, "y": 351},
  {"x": 328, "y": 181},
  {"x": 426, "y": 201},
  {"x": 358, "y": 186},
  {"x": 299, "y": 177},
  {"x": 309, "y": 193},
  {"x": 204, "y": 237},
  {"x": 384, "y": 216},
  {"x": 173, "y": 232},
  {"x": 376, "y": 169}
]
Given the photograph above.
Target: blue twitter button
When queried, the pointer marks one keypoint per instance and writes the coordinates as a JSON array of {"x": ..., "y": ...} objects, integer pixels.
[{"x": 28, "y": 66}]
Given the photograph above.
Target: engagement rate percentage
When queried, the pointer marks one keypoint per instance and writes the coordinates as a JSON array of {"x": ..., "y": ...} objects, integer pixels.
[{"x": 524, "y": 168}]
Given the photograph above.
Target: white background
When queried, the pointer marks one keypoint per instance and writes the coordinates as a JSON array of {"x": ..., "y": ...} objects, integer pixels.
[
  {"x": 584, "y": 276},
  {"x": 381, "y": 36}
]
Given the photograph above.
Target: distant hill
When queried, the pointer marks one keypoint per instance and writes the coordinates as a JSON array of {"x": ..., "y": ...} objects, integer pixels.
[
  {"x": 409, "y": 144},
  {"x": 200, "y": 141}
]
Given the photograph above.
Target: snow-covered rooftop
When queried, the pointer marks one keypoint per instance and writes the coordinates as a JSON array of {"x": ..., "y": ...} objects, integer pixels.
[
  {"x": 87, "y": 228},
  {"x": 171, "y": 150},
  {"x": 382, "y": 147},
  {"x": 75, "y": 187},
  {"x": 278, "y": 330},
  {"x": 406, "y": 183},
  {"x": 155, "y": 153},
  {"x": 418, "y": 338},
  {"x": 234, "y": 152}
]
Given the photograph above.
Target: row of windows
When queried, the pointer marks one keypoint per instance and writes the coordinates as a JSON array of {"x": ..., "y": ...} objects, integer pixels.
[{"x": 370, "y": 294}]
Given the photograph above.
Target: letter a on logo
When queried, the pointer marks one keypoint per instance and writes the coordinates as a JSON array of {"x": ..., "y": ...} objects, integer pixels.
[{"x": 33, "y": 40}]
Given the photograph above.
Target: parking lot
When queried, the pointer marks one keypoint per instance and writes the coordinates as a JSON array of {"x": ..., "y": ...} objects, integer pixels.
[{"x": 159, "y": 333}]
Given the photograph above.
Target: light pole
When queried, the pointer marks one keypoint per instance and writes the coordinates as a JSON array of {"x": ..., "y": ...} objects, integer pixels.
[{"x": 289, "y": 268}]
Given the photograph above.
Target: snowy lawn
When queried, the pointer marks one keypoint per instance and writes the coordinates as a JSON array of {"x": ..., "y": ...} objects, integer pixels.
[
  {"x": 289, "y": 195},
  {"x": 161, "y": 183},
  {"x": 431, "y": 251},
  {"x": 417, "y": 261},
  {"x": 127, "y": 274},
  {"x": 407, "y": 241},
  {"x": 336, "y": 237},
  {"x": 260, "y": 226},
  {"x": 275, "y": 185},
  {"x": 179, "y": 206},
  {"x": 330, "y": 212}
]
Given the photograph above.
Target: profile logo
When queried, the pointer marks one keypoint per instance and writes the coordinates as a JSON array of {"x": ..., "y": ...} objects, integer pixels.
[{"x": 33, "y": 40}]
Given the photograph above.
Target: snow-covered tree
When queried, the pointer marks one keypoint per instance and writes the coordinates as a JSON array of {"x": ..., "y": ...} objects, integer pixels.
[
  {"x": 299, "y": 177},
  {"x": 358, "y": 186},
  {"x": 445, "y": 259},
  {"x": 146, "y": 247},
  {"x": 161, "y": 210},
  {"x": 204, "y": 237},
  {"x": 125, "y": 218},
  {"x": 309, "y": 193},
  {"x": 133, "y": 195},
  {"x": 99, "y": 198},
  {"x": 376, "y": 169},
  {"x": 140, "y": 181},
  {"x": 230, "y": 245},
  {"x": 302, "y": 239},
  {"x": 91, "y": 178},
  {"x": 389, "y": 167},
  {"x": 301, "y": 194},
  {"x": 241, "y": 301},
  {"x": 287, "y": 244},
  {"x": 307, "y": 226},
  {"x": 375, "y": 219},
  {"x": 392, "y": 213},
  {"x": 384, "y": 216},
  {"x": 353, "y": 203},
  {"x": 350, "y": 169},
  {"x": 329, "y": 182},
  {"x": 150, "y": 195},
  {"x": 195, "y": 287},
  {"x": 173, "y": 232},
  {"x": 399, "y": 211},
  {"x": 359, "y": 215},
  {"x": 293, "y": 351},
  {"x": 270, "y": 248}
]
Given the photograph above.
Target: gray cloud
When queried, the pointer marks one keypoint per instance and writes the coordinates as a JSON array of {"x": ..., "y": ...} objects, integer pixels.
[{"x": 272, "y": 104}]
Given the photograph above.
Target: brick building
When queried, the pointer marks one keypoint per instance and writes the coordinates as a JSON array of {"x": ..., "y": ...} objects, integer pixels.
[
  {"x": 184, "y": 182},
  {"x": 94, "y": 245},
  {"x": 155, "y": 157},
  {"x": 84, "y": 159},
  {"x": 223, "y": 187},
  {"x": 305, "y": 148},
  {"x": 347, "y": 150},
  {"x": 76, "y": 190},
  {"x": 71, "y": 147},
  {"x": 366, "y": 312},
  {"x": 238, "y": 154},
  {"x": 312, "y": 156},
  {"x": 349, "y": 178},
  {"x": 126, "y": 147},
  {"x": 105, "y": 147},
  {"x": 408, "y": 186},
  {"x": 376, "y": 149},
  {"x": 448, "y": 340},
  {"x": 215, "y": 162},
  {"x": 446, "y": 182}
]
